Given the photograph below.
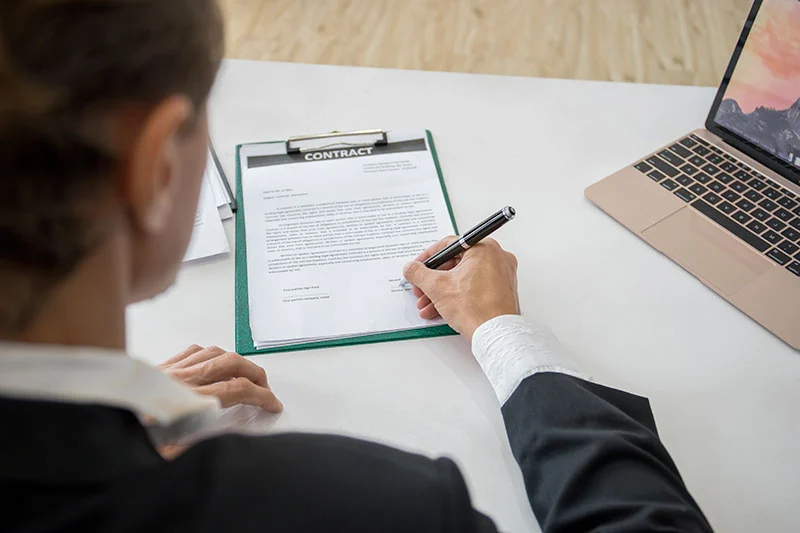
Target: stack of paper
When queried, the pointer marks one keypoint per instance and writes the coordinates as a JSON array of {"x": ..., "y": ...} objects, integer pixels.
[
  {"x": 328, "y": 232},
  {"x": 219, "y": 188},
  {"x": 208, "y": 237}
]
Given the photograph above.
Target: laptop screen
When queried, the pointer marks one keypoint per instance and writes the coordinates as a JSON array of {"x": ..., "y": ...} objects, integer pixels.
[{"x": 759, "y": 101}]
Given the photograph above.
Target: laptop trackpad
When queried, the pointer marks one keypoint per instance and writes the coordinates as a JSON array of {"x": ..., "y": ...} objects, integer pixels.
[{"x": 707, "y": 251}]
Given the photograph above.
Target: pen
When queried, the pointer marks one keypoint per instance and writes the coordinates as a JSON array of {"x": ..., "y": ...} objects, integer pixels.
[
  {"x": 228, "y": 191},
  {"x": 472, "y": 237}
]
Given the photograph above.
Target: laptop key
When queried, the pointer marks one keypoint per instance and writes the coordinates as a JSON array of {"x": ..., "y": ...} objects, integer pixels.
[
  {"x": 740, "y": 231},
  {"x": 714, "y": 158},
  {"x": 760, "y": 214},
  {"x": 643, "y": 167},
  {"x": 688, "y": 169},
  {"x": 795, "y": 223},
  {"x": 753, "y": 196},
  {"x": 700, "y": 190},
  {"x": 791, "y": 234},
  {"x": 712, "y": 198},
  {"x": 701, "y": 150},
  {"x": 715, "y": 186},
  {"x": 776, "y": 224},
  {"x": 684, "y": 180},
  {"x": 698, "y": 139},
  {"x": 680, "y": 150},
  {"x": 724, "y": 178},
  {"x": 789, "y": 247},
  {"x": 757, "y": 184},
  {"x": 742, "y": 218},
  {"x": 772, "y": 194},
  {"x": 688, "y": 142},
  {"x": 756, "y": 227},
  {"x": 784, "y": 215},
  {"x": 738, "y": 186},
  {"x": 794, "y": 268},
  {"x": 730, "y": 196},
  {"x": 671, "y": 157},
  {"x": 772, "y": 237},
  {"x": 727, "y": 208},
  {"x": 742, "y": 175},
  {"x": 728, "y": 167},
  {"x": 702, "y": 177},
  {"x": 745, "y": 205},
  {"x": 710, "y": 169},
  {"x": 663, "y": 166},
  {"x": 684, "y": 195},
  {"x": 656, "y": 176},
  {"x": 796, "y": 211},
  {"x": 778, "y": 256},
  {"x": 669, "y": 184},
  {"x": 697, "y": 161},
  {"x": 768, "y": 204},
  {"x": 787, "y": 202}
]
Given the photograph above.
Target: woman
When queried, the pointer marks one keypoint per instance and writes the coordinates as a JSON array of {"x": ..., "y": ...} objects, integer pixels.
[{"x": 103, "y": 135}]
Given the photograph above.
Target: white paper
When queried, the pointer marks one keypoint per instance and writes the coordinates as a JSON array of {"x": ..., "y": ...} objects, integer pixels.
[
  {"x": 218, "y": 189},
  {"x": 327, "y": 240},
  {"x": 208, "y": 237}
]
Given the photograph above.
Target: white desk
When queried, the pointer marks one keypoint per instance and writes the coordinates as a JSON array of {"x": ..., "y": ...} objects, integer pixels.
[{"x": 725, "y": 392}]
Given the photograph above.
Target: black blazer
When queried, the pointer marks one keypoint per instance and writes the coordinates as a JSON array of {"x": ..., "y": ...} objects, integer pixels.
[{"x": 590, "y": 457}]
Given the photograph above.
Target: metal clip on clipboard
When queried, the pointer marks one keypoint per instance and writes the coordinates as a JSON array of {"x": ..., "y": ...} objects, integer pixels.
[{"x": 338, "y": 139}]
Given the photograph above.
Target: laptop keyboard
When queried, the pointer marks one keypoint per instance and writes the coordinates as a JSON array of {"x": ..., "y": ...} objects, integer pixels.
[{"x": 743, "y": 201}]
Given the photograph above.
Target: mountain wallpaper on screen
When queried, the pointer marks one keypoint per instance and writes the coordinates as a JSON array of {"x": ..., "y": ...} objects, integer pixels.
[
  {"x": 774, "y": 130},
  {"x": 762, "y": 99}
]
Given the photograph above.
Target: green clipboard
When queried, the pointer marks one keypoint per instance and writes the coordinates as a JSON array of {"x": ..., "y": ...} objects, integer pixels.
[{"x": 244, "y": 336}]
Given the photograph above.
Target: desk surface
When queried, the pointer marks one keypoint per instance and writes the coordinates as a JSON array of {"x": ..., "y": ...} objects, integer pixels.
[{"x": 724, "y": 391}]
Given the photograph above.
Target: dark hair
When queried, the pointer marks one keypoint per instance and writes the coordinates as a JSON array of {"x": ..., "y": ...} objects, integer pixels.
[{"x": 64, "y": 64}]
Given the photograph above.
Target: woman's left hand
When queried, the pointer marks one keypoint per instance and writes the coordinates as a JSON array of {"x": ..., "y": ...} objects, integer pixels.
[{"x": 227, "y": 375}]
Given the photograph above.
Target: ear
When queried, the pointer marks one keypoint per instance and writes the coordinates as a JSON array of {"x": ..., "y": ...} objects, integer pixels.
[{"x": 153, "y": 164}]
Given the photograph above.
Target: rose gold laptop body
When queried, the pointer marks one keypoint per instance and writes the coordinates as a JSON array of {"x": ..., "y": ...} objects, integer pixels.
[{"x": 675, "y": 224}]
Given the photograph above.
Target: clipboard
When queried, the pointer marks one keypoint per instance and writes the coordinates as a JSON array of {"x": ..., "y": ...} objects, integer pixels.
[{"x": 298, "y": 145}]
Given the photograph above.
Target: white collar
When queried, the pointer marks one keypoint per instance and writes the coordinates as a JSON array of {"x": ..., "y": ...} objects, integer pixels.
[{"x": 95, "y": 376}]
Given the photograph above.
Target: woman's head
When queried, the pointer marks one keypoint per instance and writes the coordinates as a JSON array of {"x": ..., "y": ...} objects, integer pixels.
[{"x": 102, "y": 139}]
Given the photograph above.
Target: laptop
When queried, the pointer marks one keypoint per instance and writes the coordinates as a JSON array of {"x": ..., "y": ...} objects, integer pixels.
[{"x": 724, "y": 201}]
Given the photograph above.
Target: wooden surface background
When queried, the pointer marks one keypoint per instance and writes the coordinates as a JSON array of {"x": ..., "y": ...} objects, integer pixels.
[{"x": 686, "y": 42}]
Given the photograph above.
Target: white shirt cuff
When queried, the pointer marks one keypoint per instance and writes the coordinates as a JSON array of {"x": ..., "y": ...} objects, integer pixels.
[{"x": 510, "y": 348}]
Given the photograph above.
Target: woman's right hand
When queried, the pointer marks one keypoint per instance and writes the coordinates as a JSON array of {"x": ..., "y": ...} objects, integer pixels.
[{"x": 479, "y": 285}]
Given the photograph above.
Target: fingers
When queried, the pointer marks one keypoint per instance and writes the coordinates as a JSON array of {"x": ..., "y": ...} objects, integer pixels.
[
  {"x": 200, "y": 356},
  {"x": 416, "y": 291},
  {"x": 429, "y": 312},
  {"x": 435, "y": 248},
  {"x": 422, "y": 277},
  {"x": 227, "y": 366},
  {"x": 229, "y": 376},
  {"x": 171, "y": 451},
  {"x": 243, "y": 391},
  {"x": 423, "y": 302},
  {"x": 183, "y": 355}
]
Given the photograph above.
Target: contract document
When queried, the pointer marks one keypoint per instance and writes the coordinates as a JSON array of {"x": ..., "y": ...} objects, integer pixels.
[{"x": 328, "y": 232}]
